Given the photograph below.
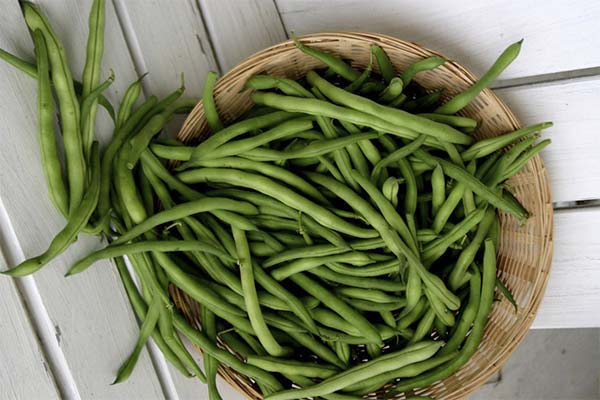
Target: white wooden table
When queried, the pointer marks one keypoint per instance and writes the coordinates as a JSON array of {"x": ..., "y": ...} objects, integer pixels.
[{"x": 66, "y": 338}]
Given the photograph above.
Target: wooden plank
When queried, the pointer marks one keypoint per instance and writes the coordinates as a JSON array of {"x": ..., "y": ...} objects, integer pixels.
[
  {"x": 23, "y": 359},
  {"x": 93, "y": 324},
  {"x": 573, "y": 158},
  {"x": 167, "y": 40},
  {"x": 572, "y": 298},
  {"x": 241, "y": 28},
  {"x": 474, "y": 33}
]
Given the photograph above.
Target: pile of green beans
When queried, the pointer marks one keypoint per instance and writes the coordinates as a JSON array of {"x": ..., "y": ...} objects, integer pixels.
[{"x": 340, "y": 238}]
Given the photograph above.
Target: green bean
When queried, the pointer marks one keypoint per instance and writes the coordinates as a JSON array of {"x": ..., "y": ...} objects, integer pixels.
[
  {"x": 424, "y": 102},
  {"x": 31, "y": 70},
  {"x": 210, "y": 364},
  {"x": 343, "y": 351},
  {"x": 129, "y": 99},
  {"x": 522, "y": 160},
  {"x": 318, "y": 348},
  {"x": 392, "y": 91},
  {"x": 119, "y": 137},
  {"x": 395, "y": 116},
  {"x": 313, "y": 149},
  {"x": 424, "y": 326},
  {"x": 465, "y": 123},
  {"x": 393, "y": 241},
  {"x": 366, "y": 305},
  {"x": 340, "y": 156},
  {"x": 294, "y": 303},
  {"x": 47, "y": 136},
  {"x": 91, "y": 70},
  {"x": 283, "y": 366},
  {"x": 280, "y": 192},
  {"x": 285, "y": 129},
  {"x": 410, "y": 197},
  {"x": 20, "y": 64},
  {"x": 443, "y": 317},
  {"x": 438, "y": 189},
  {"x": 371, "y": 283},
  {"x": 140, "y": 310},
  {"x": 185, "y": 209},
  {"x": 239, "y": 128},
  {"x": 467, "y": 316},
  {"x": 77, "y": 220},
  {"x": 208, "y": 101},
  {"x": 425, "y": 64},
  {"x": 324, "y": 108},
  {"x": 169, "y": 152},
  {"x": 302, "y": 381},
  {"x": 414, "y": 288},
  {"x": 387, "y": 209},
  {"x": 332, "y": 169},
  {"x": 474, "y": 338},
  {"x": 362, "y": 79},
  {"x": 223, "y": 356},
  {"x": 376, "y": 382},
  {"x": 68, "y": 105},
  {"x": 410, "y": 315},
  {"x": 486, "y": 147},
  {"x": 480, "y": 189},
  {"x": 261, "y": 249},
  {"x": 336, "y": 64},
  {"x": 390, "y": 189},
  {"x": 287, "y": 86},
  {"x": 461, "y": 100},
  {"x": 467, "y": 256},
  {"x": 410, "y": 355},
  {"x": 330, "y": 319},
  {"x": 373, "y": 295},
  {"x": 378, "y": 269},
  {"x": 268, "y": 170},
  {"x": 146, "y": 329},
  {"x": 506, "y": 293},
  {"x": 321, "y": 250},
  {"x": 190, "y": 194},
  {"x": 438, "y": 247},
  {"x": 383, "y": 61},
  {"x": 305, "y": 264},
  {"x": 331, "y": 301},
  {"x": 487, "y": 165},
  {"x": 145, "y": 246}
]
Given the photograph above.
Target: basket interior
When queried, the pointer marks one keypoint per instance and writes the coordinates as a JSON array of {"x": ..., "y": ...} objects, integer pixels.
[{"x": 524, "y": 253}]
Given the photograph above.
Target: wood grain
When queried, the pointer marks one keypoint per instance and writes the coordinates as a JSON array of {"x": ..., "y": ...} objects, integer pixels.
[
  {"x": 572, "y": 297},
  {"x": 23, "y": 359},
  {"x": 559, "y": 36},
  {"x": 573, "y": 158},
  {"x": 241, "y": 28},
  {"x": 166, "y": 41}
]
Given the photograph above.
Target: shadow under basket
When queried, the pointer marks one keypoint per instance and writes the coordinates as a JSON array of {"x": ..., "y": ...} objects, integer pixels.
[{"x": 525, "y": 252}]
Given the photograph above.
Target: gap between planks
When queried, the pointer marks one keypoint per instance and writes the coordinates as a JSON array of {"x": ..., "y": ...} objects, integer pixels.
[{"x": 47, "y": 333}]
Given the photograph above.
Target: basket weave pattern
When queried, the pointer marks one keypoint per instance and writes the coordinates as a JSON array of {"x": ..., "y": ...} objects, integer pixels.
[{"x": 524, "y": 253}]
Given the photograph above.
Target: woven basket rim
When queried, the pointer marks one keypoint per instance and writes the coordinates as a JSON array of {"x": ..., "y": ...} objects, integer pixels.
[{"x": 190, "y": 130}]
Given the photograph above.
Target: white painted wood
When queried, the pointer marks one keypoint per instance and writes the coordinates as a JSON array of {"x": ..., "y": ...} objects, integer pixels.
[
  {"x": 240, "y": 28},
  {"x": 573, "y": 158},
  {"x": 23, "y": 359},
  {"x": 93, "y": 324},
  {"x": 559, "y": 36},
  {"x": 170, "y": 39},
  {"x": 572, "y": 298}
]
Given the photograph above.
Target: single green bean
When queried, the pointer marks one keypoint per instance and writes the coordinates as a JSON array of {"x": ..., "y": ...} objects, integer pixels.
[
  {"x": 92, "y": 71},
  {"x": 47, "y": 136},
  {"x": 461, "y": 100},
  {"x": 426, "y": 64},
  {"x": 77, "y": 221}
]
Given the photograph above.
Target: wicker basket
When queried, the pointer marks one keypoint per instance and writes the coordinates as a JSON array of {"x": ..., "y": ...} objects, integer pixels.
[{"x": 525, "y": 252}]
